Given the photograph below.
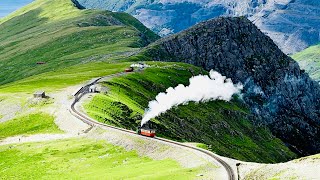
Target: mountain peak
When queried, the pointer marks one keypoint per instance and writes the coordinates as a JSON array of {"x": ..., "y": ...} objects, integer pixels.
[{"x": 275, "y": 88}]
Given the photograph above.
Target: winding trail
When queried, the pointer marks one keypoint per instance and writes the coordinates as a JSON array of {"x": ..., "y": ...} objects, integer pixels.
[
  {"x": 34, "y": 138},
  {"x": 83, "y": 117}
]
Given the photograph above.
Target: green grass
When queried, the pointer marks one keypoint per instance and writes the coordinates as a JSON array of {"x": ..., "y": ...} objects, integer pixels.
[
  {"x": 202, "y": 146},
  {"x": 222, "y": 125},
  {"x": 309, "y": 59},
  {"x": 29, "y": 124},
  {"x": 59, "y": 34},
  {"x": 317, "y": 156},
  {"x": 56, "y": 80},
  {"x": 84, "y": 159}
]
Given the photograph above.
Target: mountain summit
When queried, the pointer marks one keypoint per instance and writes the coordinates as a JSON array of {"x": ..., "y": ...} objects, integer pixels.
[
  {"x": 292, "y": 24},
  {"x": 278, "y": 92}
]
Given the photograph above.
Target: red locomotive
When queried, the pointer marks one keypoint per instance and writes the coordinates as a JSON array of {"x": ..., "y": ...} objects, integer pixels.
[
  {"x": 145, "y": 130},
  {"x": 129, "y": 69}
]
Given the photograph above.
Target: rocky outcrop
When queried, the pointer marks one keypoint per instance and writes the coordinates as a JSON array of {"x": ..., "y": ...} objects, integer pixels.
[
  {"x": 278, "y": 92},
  {"x": 292, "y": 24}
]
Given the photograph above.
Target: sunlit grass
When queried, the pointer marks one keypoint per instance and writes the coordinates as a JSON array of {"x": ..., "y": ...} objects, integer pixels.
[
  {"x": 29, "y": 124},
  {"x": 84, "y": 159},
  {"x": 60, "y": 35},
  {"x": 309, "y": 59},
  {"x": 59, "y": 79}
]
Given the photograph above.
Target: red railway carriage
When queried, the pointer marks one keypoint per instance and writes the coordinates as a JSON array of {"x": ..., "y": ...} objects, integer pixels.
[
  {"x": 146, "y": 131},
  {"x": 129, "y": 69}
]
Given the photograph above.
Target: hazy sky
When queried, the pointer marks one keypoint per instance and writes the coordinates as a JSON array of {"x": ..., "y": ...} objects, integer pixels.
[{"x": 8, "y": 6}]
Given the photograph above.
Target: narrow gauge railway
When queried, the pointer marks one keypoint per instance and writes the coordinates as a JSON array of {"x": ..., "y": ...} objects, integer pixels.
[{"x": 147, "y": 131}]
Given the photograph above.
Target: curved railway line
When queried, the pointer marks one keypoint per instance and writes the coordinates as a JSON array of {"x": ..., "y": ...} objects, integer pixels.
[{"x": 85, "y": 89}]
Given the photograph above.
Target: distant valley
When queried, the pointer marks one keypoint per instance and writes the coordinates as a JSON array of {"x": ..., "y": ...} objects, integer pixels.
[{"x": 292, "y": 24}]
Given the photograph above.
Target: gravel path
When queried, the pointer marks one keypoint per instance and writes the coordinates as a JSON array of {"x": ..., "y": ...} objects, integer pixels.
[
  {"x": 8, "y": 109},
  {"x": 34, "y": 138},
  {"x": 60, "y": 109}
]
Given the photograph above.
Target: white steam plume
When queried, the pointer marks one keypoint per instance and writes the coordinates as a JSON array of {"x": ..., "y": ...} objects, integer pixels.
[
  {"x": 202, "y": 88},
  {"x": 140, "y": 65}
]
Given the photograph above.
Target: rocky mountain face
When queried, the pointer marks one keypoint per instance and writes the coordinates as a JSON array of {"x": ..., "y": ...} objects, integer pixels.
[
  {"x": 292, "y": 24},
  {"x": 278, "y": 92}
]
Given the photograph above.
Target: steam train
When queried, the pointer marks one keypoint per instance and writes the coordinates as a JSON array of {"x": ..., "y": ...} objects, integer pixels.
[{"x": 146, "y": 130}]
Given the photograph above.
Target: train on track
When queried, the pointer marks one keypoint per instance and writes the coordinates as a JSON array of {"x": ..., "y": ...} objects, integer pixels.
[
  {"x": 130, "y": 69},
  {"x": 146, "y": 130}
]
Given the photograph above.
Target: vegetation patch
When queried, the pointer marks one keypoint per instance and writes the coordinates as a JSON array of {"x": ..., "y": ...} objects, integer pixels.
[
  {"x": 203, "y": 146},
  {"x": 84, "y": 159},
  {"x": 56, "y": 80},
  {"x": 29, "y": 124},
  {"x": 224, "y": 126},
  {"x": 317, "y": 156},
  {"x": 309, "y": 60}
]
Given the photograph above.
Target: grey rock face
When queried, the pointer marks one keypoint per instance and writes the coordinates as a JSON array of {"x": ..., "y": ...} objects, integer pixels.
[
  {"x": 277, "y": 91},
  {"x": 292, "y": 24}
]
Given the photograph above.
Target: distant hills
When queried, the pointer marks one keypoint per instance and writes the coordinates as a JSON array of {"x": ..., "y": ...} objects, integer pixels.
[
  {"x": 57, "y": 35},
  {"x": 292, "y": 24}
]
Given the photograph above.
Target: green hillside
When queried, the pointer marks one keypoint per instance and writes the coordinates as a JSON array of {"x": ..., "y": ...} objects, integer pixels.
[
  {"x": 84, "y": 159},
  {"x": 224, "y": 126},
  {"x": 60, "y": 35},
  {"x": 29, "y": 124},
  {"x": 309, "y": 60},
  {"x": 51, "y": 45}
]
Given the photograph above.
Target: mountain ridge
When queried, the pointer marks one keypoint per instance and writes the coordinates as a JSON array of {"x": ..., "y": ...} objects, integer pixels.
[
  {"x": 64, "y": 38},
  {"x": 279, "y": 93},
  {"x": 292, "y": 24}
]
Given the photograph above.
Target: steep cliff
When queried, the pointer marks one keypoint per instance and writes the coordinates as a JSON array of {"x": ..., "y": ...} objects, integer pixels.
[
  {"x": 277, "y": 91},
  {"x": 292, "y": 24}
]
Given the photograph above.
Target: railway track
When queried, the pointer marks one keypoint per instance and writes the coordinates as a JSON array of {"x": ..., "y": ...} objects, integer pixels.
[{"x": 91, "y": 122}]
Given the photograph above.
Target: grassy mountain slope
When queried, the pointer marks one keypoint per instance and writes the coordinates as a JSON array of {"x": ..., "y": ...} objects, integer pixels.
[
  {"x": 309, "y": 60},
  {"x": 29, "y": 124},
  {"x": 224, "y": 126},
  {"x": 77, "y": 45},
  {"x": 59, "y": 34},
  {"x": 84, "y": 159},
  {"x": 61, "y": 78}
]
